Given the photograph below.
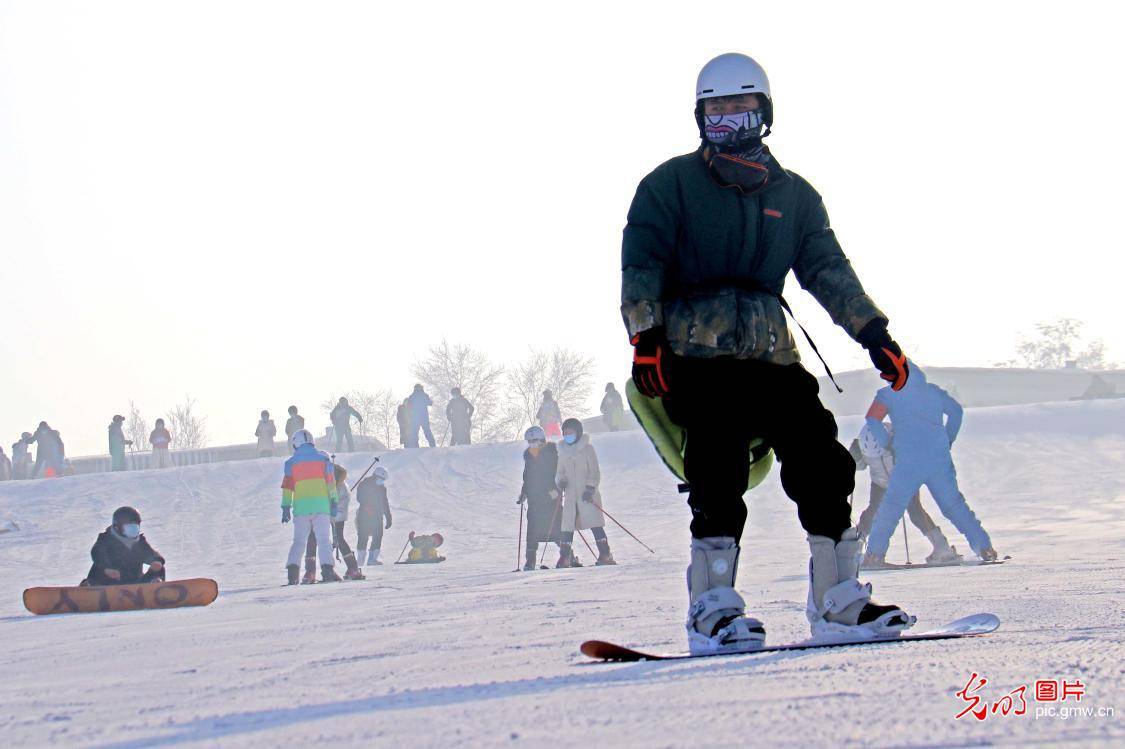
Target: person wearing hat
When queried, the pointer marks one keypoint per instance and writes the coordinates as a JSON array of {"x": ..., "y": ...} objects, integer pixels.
[
  {"x": 459, "y": 412},
  {"x": 578, "y": 478},
  {"x": 122, "y": 552},
  {"x": 117, "y": 443},
  {"x": 710, "y": 238},
  {"x": 539, "y": 491},
  {"x": 265, "y": 432}
]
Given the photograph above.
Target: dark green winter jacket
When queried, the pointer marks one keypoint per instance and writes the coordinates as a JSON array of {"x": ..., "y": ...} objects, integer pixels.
[{"x": 706, "y": 262}]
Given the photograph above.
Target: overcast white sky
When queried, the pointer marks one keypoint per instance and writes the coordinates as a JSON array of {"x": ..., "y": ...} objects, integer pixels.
[{"x": 261, "y": 203}]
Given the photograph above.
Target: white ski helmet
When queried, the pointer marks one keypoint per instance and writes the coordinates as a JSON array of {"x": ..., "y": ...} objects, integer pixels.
[
  {"x": 380, "y": 473},
  {"x": 868, "y": 445},
  {"x": 732, "y": 74},
  {"x": 301, "y": 437},
  {"x": 535, "y": 433}
]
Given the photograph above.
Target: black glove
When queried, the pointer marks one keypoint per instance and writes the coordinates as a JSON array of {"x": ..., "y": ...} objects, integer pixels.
[
  {"x": 885, "y": 353},
  {"x": 562, "y": 485},
  {"x": 588, "y": 495},
  {"x": 286, "y": 515},
  {"x": 522, "y": 499},
  {"x": 388, "y": 525},
  {"x": 332, "y": 507},
  {"x": 650, "y": 362}
]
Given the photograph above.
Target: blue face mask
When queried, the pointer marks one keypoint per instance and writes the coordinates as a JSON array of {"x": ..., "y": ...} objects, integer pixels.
[
  {"x": 379, "y": 482},
  {"x": 131, "y": 530},
  {"x": 570, "y": 439}
]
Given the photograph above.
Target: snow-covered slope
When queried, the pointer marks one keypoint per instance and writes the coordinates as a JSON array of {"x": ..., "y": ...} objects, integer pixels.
[{"x": 469, "y": 653}]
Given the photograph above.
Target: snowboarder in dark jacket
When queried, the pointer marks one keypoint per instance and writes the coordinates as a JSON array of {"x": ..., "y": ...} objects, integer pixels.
[
  {"x": 540, "y": 465},
  {"x": 710, "y": 239},
  {"x": 121, "y": 553},
  {"x": 341, "y": 417},
  {"x": 459, "y": 412}
]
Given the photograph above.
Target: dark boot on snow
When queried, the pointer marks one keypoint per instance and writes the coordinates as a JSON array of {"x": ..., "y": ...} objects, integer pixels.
[
  {"x": 353, "y": 572},
  {"x": 294, "y": 571},
  {"x": 604, "y": 556},
  {"x": 566, "y": 557},
  {"x": 328, "y": 574},
  {"x": 310, "y": 572},
  {"x": 529, "y": 559}
]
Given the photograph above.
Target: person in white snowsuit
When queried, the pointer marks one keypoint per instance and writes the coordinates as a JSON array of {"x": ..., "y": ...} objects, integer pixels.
[
  {"x": 459, "y": 412},
  {"x": 926, "y": 423},
  {"x": 578, "y": 478},
  {"x": 881, "y": 462},
  {"x": 160, "y": 439},
  {"x": 265, "y": 432}
]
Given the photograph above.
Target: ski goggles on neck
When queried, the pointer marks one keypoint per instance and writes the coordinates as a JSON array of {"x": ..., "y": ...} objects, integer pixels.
[{"x": 729, "y": 170}]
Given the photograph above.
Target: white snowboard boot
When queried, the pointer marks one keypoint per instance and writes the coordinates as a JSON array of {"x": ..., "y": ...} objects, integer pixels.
[
  {"x": 839, "y": 605},
  {"x": 717, "y": 621},
  {"x": 943, "y": 552}
]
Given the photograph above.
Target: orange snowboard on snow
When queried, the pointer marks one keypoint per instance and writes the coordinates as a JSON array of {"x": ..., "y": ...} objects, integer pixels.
[{"x": 199, "y": 591}]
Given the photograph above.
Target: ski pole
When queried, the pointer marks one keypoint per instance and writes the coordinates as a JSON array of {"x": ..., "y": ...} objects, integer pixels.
[
  {"x": 550, "y": 529},
  {"x": 590, "y": 548},
  {"x": 906, "y": 540},
  {"x": 519, "y": 541},
  {"x": 619, "y": 525},
  {"x": 362, "y": 475},
  {"x": 403, "y": 550}
]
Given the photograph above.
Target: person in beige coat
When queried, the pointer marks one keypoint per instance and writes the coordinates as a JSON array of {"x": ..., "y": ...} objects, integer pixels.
[{"x": 581, "y": 503}]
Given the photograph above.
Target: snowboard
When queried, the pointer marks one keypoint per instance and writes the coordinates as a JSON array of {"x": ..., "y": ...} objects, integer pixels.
[
  {"x": 969, "y": 626},
  {"x": 199, "y": 591}
]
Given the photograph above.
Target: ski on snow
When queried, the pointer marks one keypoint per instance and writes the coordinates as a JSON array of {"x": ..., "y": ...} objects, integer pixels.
[{"x": 969, "y": 626}]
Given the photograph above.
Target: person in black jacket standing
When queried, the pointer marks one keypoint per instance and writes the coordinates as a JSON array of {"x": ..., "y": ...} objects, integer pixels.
[
  {"x": 711, "y": 236},
  {"x": 540, "y": 465},
  {"x": 121, "y": 553}
]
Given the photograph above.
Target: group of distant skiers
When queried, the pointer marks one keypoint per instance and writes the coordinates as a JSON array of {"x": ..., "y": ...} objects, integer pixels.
[{"x": 50, "y": 456}]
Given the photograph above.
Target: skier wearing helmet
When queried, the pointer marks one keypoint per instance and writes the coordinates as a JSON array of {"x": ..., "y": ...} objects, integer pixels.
[
  {"x": 540, "y": 464},
  {"x": 309, "y": 499},
  {"x": 710, "y": 238},
  {"x": 373, "y": 514},
  {"x": 121, "y": 553}
]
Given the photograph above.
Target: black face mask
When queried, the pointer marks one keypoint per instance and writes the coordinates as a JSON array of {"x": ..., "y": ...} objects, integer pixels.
[{"x": 737, "y": 171}]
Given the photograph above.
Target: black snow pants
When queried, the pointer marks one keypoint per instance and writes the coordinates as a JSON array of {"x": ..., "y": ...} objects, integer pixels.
[
  {"x": 368, "y": 529},
  {"x": 723, "y": 404},
  {"x": 338, "y": 539}
]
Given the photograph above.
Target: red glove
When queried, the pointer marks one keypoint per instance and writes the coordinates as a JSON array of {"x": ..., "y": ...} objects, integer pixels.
[
  {"x": 650, "y": 362},
  {"x": 885, "y": 353}
]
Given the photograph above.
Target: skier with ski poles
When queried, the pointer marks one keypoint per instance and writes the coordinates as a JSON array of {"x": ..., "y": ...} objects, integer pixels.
[
  {"x": 881, "y": 463},
  {"x": 710, "y": 238},
  {"x": 540, "y": 465},
  {"x": 373, "y": 514},
  {"x": 579, "y": 478},
  {"x": 926, "y": 423}
]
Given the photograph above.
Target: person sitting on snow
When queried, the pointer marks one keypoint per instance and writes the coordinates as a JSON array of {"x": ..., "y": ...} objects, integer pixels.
[
  {"x": 923, "y": 438},
  {"x": 121, "y": 552}
]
